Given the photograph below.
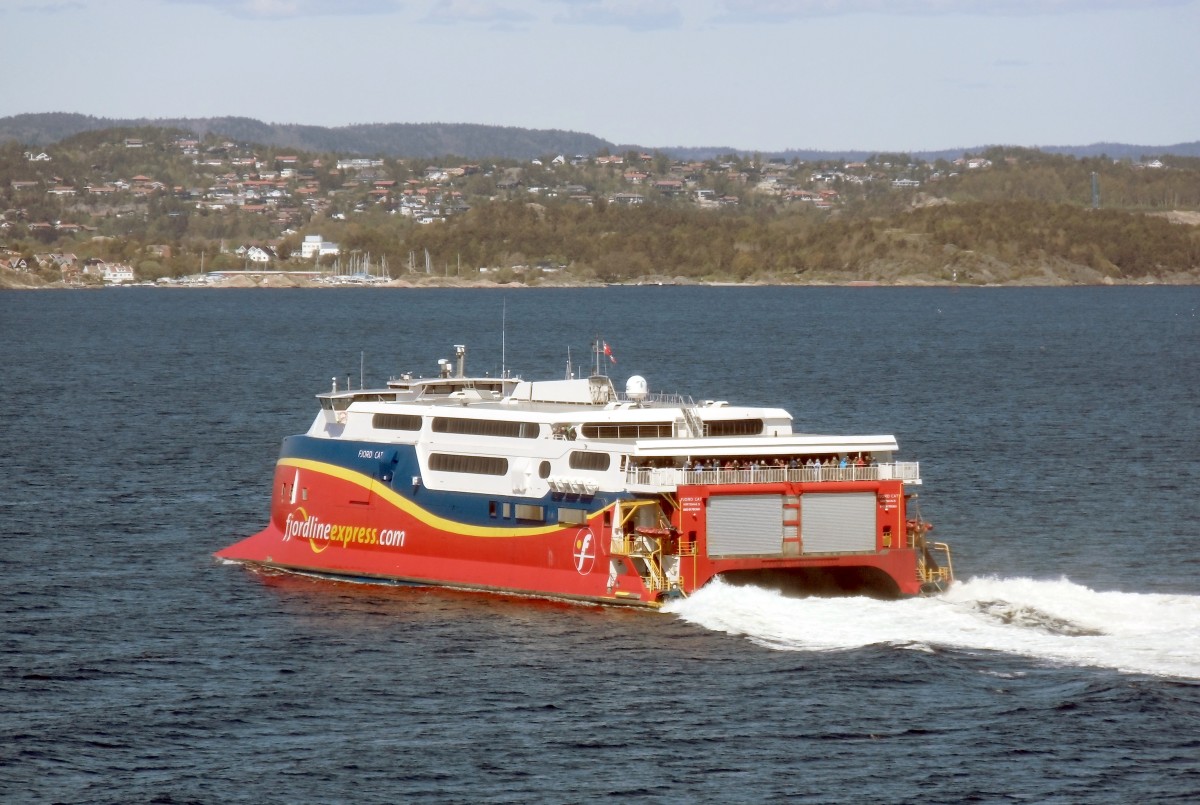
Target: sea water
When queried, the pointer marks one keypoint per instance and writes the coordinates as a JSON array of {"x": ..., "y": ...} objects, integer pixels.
[{"x": 1057, "y": 432}]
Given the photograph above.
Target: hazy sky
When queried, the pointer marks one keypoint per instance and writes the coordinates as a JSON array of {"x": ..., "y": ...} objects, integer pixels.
[{"x": 882, "y": 75}]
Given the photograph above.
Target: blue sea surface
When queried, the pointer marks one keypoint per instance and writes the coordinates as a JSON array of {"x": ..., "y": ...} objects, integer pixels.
[{"x": 1058, "y": 434}]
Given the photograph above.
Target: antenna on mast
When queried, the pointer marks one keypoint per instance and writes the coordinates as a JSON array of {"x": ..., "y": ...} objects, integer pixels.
[{"x": 503, "y": 326}]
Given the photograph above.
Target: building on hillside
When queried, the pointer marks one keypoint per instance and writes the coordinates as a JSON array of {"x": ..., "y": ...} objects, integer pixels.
[
  {"x": 117, "y": 274},
  {"x": 314, "y": 246},
  {"x": 109, "y": 273},
  {"x": 260, "y": 254}
]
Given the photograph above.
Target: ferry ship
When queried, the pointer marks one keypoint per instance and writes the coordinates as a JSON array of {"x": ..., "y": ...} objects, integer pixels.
[{"x": 569, "y": 489}]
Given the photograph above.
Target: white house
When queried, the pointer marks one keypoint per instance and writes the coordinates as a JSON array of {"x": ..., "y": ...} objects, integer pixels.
[
  {"x": 259, "y": 254},
  {"x": 117, "y": 274}
]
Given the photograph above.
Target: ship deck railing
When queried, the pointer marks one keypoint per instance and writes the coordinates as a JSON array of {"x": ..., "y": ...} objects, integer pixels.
[
  {"x": 653, "y": 479},
  {"x": 657, "y": 400}
]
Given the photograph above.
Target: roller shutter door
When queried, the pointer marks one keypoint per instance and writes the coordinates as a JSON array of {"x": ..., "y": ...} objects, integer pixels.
[
  {"x": 745, "y": 525},
  {"x": 842, "y": 523}
]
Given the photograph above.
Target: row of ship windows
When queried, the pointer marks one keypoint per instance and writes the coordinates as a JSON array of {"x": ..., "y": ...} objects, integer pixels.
[
  {"x": 590, "y": 430},
  {"x": 466, "y": 427},
  {"x": 496, "y": 465},
  {"x": 527, "y": 511}
]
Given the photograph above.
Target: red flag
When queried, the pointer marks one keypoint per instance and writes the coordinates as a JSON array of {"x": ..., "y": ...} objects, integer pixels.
[{"x": 608, "y": 352}]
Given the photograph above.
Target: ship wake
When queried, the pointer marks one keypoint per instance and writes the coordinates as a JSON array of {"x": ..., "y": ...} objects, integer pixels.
[{"x": 1053, "y": 621}]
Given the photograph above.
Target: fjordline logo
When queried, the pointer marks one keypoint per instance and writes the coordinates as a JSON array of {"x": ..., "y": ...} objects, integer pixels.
[{"x": 321, "y": 535}]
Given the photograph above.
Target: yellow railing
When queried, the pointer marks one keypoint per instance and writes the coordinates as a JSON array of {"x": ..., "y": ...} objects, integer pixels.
[
  {"x": 645, "y": 544},
  {"x": 934, "y": 572}
]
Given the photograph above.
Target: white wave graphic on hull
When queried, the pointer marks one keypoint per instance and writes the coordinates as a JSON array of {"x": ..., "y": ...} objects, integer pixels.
[{"x": 1051, "y": 620}]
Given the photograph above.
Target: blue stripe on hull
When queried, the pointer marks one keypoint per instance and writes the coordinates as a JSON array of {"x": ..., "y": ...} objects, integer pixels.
[{"x": 398, "y": 466}]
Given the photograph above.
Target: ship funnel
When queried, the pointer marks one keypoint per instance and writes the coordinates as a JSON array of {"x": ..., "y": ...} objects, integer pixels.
[{"x": 460, "y": 352}]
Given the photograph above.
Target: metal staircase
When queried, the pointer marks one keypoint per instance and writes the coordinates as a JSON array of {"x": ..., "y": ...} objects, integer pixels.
[
  {"x": 643, "y": 544},
  {"x": 694, "y": 422}
]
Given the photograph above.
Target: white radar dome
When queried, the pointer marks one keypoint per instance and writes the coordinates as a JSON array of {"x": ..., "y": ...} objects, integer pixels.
[{"x": 635, "y": 388}]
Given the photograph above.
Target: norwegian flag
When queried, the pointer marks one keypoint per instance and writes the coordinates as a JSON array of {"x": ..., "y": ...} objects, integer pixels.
[{"x": 608, "y": 352}]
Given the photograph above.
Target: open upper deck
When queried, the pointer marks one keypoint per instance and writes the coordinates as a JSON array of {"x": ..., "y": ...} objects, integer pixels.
[{"x": 659, "y": 479}]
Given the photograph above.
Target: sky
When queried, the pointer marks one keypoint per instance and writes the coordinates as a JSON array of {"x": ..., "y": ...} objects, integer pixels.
[{"x": 765, "y": 75}]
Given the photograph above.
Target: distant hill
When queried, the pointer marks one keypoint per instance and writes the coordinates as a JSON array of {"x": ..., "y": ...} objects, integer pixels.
[
  {"x": 474, "y": 141},
  {"x": 1113, "y": 150},
  {"x": 418, "y": 140},
  {"x": 1122, "y": 151}
]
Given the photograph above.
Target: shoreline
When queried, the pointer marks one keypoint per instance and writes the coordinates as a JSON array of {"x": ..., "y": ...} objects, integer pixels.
[
  {"x": 1029, "y": 276},
  {"x": 248, "y": 284}
]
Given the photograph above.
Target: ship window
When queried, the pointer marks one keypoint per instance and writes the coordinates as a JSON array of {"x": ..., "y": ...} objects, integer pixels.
[
  {"x": 734, "y": 427},
  {"x": 396, "y": 421},
  {"x": 572, "y": 516},
  {"x": 491, "y": 508},
  {"x": 544, "y": 470},
  {"x": 627, "y": 430},
  {"x": 583, "y": 460},
  {"x": 374, "y": 396},
  {"x": 476, "y": 465},
  {"x": 486, "y": 427},
  {"x": 526, "y": 511}
]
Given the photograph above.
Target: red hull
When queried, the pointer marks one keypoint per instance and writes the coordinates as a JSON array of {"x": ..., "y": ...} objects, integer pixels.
[{"x": 350, "y": 525}]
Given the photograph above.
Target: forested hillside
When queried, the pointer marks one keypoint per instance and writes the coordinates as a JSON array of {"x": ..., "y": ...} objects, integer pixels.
[
  {"x": 166, "y": 203},
  {"x": 473, "y": 141},
  {"x": 422, "y": 140}
]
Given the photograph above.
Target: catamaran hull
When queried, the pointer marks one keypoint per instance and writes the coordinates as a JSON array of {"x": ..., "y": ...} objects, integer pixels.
[{"x": 331, "y": 520}]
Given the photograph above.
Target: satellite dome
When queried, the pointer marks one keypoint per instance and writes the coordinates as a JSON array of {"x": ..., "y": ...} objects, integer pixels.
[{"x": 635, "y": 388}]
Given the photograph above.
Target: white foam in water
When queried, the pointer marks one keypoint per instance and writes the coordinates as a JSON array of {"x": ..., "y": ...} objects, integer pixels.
[{"x": 1051, "y": 620}]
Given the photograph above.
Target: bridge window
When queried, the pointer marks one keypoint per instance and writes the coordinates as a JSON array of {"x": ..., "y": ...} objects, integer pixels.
[{"x": 734, "y": 427}]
